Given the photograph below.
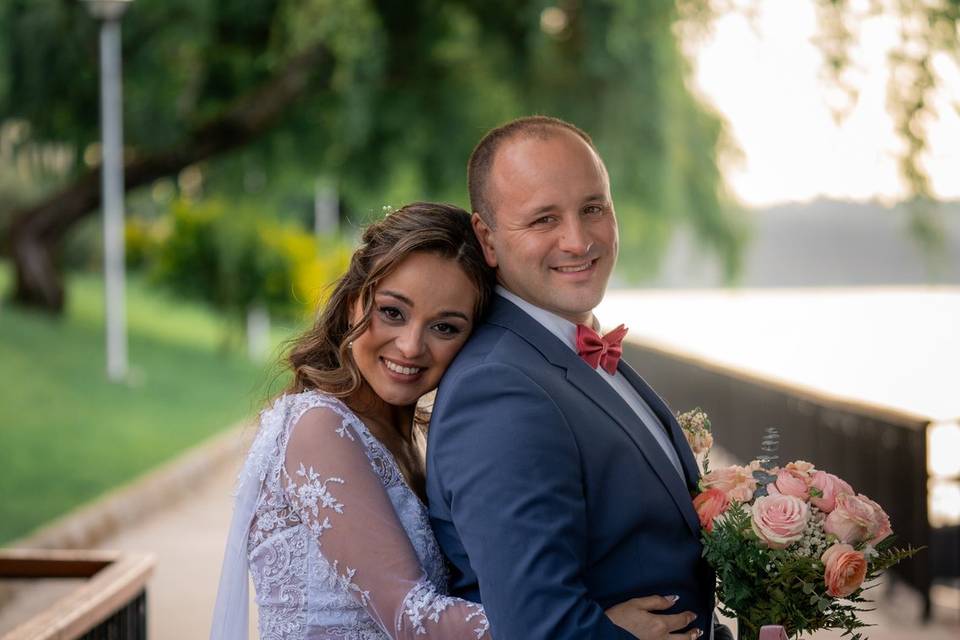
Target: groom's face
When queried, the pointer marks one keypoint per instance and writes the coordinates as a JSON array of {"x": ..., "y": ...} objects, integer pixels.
[{"x": 553, "y": 237}]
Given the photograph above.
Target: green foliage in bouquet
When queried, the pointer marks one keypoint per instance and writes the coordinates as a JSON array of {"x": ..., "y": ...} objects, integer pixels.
[{"x": 758, "y": 585}]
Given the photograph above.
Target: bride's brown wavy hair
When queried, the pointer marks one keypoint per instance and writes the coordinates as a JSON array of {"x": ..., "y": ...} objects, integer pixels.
[{"x": 320, "y": 358}]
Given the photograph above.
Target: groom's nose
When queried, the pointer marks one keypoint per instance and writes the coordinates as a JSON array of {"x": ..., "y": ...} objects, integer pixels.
[{"x": 574, "y": 238}]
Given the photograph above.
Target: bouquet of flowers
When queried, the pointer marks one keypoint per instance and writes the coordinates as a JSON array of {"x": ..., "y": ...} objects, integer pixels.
[{"x": 791, "y": 545}]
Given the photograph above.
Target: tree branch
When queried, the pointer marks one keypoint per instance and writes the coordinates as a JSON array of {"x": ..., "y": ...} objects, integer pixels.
[{"x": 35, "y": 232}]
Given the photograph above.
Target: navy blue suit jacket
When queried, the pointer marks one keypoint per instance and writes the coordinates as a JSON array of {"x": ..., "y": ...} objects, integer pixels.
[{"x": 550, "y": 498}]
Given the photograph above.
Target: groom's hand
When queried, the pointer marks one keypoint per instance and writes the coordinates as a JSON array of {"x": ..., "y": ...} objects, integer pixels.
[{"x": 639, "y": 618}]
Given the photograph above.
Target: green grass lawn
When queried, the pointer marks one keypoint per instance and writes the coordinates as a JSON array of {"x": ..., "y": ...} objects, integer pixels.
[{"x": 67, "y": 435}]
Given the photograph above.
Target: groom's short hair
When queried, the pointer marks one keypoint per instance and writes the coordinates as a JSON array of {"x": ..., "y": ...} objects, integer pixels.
[{"x": 481, "y": 160}]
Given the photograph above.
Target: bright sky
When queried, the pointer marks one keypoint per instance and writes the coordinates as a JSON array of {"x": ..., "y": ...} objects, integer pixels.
[{"x": 765, "y": 77}]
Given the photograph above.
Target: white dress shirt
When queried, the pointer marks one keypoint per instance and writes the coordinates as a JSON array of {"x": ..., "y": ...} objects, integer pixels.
[{"x": 566, "y": 332}]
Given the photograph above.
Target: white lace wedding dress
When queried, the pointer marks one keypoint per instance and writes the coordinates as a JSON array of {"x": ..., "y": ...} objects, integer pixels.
[{"x": 338, "y": 545}]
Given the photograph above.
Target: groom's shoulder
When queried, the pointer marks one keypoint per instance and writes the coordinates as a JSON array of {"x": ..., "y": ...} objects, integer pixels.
[
  {"x": 491, "y": 343},
  {"x": 493, "y": 353}
]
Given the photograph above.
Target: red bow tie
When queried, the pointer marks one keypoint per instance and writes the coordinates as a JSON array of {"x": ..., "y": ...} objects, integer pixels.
[{"x": 600, "y": 351}]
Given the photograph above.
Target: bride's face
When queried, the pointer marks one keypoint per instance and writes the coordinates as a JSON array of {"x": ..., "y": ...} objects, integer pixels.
[{"x": 422, "y": 314}]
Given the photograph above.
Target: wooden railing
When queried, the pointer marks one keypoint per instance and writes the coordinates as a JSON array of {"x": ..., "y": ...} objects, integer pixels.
[
  {"x": 881, "y": 452},
  {"x": 109, "y": 603}
]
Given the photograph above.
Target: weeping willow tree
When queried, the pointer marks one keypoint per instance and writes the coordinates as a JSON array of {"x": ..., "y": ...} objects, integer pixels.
[
  {"x": 254, "y": 99},
  {"x": 928, "y": 30}
]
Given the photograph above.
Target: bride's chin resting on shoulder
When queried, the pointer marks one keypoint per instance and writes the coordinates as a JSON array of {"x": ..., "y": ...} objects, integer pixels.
[{"x": 643, "y": 618}]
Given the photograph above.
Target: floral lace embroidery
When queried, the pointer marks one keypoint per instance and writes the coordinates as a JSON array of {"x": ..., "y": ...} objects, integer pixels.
[
  {"x": 294, "y": 582},
  {"x": 483, "y": 626},
  {"x": 424, "y": 603},
  {"x": 285, "y": 557},
  {"x": 312, "y": 496},
  {"x": 346, "y": 581}
]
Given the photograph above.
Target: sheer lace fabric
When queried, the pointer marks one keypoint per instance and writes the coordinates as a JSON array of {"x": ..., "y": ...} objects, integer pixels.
[{"x": 339, "y": 546}]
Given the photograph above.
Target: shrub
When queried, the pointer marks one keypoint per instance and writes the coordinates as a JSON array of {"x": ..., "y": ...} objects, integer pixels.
[{"x": 234, "y": 259}]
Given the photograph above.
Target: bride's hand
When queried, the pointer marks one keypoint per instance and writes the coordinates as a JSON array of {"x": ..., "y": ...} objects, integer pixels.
[{"x": 639, "y": 617}]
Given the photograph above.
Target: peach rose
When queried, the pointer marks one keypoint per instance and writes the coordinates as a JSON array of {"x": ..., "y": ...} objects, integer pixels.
[
  {"x": 710, "y": 504},
  {"x": 700, "y": 441},
  {"x": 828, "y": 486},
  {"x": 695, "y": 425},
  {"x": 856, "y": 519},
  {"x": 844, "y": 570},
  {"x": 801, "y": 466},
  {"x": 736, "y": 482},
  {"x": 790, "y": 482},
  {"x": 779, "y": 520}
]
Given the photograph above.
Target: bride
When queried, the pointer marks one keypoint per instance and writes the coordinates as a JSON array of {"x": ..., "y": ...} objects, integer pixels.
[{"x": 330, "y": 520}]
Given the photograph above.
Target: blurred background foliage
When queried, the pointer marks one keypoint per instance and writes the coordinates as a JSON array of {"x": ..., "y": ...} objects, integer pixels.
[
  {"x": 235, "y": 259},
  {"x": 389, "y": 114},
  {"x": 252, "y": 104},
  {"x": 927, "y": 28}
]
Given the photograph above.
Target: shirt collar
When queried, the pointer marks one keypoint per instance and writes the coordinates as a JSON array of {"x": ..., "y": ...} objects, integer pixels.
[{"x": 565, "y": 330}]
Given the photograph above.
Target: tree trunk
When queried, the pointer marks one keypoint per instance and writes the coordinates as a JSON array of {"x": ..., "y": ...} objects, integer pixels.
[{"x": 36, "y": 233}]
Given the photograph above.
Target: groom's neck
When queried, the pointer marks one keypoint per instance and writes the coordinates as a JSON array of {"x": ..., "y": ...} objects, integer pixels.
[{"x": 587, "y": 318}]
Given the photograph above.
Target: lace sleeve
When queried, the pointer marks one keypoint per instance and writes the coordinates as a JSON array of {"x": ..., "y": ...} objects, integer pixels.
[{"x": 335, "y": 492}]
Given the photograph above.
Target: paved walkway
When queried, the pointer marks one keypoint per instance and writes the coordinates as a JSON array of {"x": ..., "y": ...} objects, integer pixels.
[
  {"x": 188, "y": 541},
  {"x": 188, "y": 537}
]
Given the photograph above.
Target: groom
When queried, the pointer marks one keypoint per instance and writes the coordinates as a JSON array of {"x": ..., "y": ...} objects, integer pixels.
[{"x": 558, "y": 485}]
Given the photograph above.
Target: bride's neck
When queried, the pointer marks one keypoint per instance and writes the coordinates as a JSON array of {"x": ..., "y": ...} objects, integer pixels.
[{"x": 388, "y": 421}]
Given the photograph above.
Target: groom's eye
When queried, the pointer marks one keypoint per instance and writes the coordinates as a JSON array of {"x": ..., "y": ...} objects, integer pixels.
[{"x": 593, "y": 209}]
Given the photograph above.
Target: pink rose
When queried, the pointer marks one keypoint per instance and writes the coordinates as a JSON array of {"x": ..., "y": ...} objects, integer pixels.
[
  {"x": 736, "y": 482},
  {"x": 857, "y": 519},
  {"x": 790, "y": 482},
  {"x": 829, "y": 487},
  {"x": 844, "y": 570},
  {"x": 779, "y": 520},
  {"x": 881, "y": 522},
  {"x": 710, "y": 504}
]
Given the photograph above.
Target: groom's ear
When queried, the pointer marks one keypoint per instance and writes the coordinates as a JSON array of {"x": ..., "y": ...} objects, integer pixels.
[{"x": 483, "y": 231}]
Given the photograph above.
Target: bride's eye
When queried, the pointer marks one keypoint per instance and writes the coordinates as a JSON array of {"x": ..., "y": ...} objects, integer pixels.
[
  {"x": 391, "y": 313},
  {"x": 446, "y": 329}
]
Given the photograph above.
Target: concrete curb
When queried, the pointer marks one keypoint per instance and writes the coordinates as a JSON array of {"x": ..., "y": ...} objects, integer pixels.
[{"x": 179, "y": 478}]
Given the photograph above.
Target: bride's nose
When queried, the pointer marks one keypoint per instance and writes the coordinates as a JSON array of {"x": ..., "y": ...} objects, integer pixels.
[{"x": 410, "y": 341}]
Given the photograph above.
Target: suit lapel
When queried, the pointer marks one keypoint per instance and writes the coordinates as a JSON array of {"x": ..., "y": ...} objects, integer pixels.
[
  {"x": 580, "y": 375},
  {"x": 603, "y": 395},
  {"x": 658, "y": 406}
]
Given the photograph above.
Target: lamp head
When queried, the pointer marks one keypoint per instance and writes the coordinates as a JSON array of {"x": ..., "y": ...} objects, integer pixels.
[{"x": 107, "y": 9}]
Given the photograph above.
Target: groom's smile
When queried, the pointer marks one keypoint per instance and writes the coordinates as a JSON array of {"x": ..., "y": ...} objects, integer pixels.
[
  {"x": 553, "y": 238},
  {"x": 579, "y": 268}
]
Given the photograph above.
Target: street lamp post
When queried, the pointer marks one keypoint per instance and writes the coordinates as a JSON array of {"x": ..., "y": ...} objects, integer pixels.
[{"x": 109, "y": 13}]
